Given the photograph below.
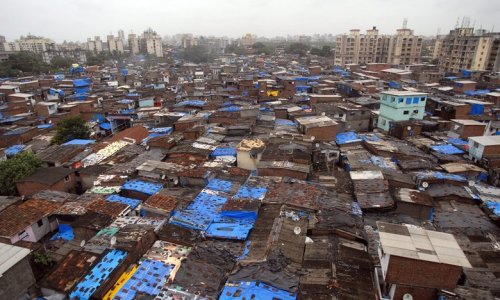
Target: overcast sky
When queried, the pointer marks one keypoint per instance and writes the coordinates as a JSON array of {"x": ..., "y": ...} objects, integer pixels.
[{"x": 79, "y": 19}]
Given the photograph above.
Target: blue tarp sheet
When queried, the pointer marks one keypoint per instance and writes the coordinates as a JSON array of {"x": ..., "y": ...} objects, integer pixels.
[
  {"x": 253, "y": 290},
  {"x": 164, "y": 130},
  {"x": 149, "y": 279},
  {"x": 220, "y": 185},
  {"x": 201, "y": 212},
  {"x": 81, "y": 82},
  {"x": 124, "y": 72},
  {"x": 447, "y": 149},
  {"x": 494, "y": 207},
  {"x": 45, "y": 126},
  {"x": 476, "y": 109},
  {"x": 99, "y": 273},
  {"x": 14, "y": 149},
  {"x": 105, "y": 126},
  {"x": 347, "y": 137},
  {"x": 230, "y": 108},
  {"x": 65, "y": 232},
  {"x": 145, "y": 187},
  {"x": 250, "y": 193},
  {"x": 81, "y": 90},
  {"x": 457, "y": 141},
  {"x": 284, "y": 122},
  {"x": 133, "y": 203},
  {"x": 230, "y": 228},
  {"x": 394, "y": 84},
  {"x": 224, "y": 152},
  {"x": 198, "y": 103},
  {"x": 439, "y": 175},
  {"x": 79, "y": 142}
]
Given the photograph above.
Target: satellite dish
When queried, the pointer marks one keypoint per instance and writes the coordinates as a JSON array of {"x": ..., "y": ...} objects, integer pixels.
[
  {"x": 297, "y": 230},
  {"x": 147, "y": 148},
  {"x": 425, "y": 184},
  {"x": 176, "y": 181},
  {"x": 163, "y": 176},
  {"x": 409, "y": 127},
  {"x": 317, "y": 145},
  {"x": 82, "y": 243},
  {"x": 407, "y": 297},
  {"x": 472, "y": 183},
  {"x": 113, "y": 241}
]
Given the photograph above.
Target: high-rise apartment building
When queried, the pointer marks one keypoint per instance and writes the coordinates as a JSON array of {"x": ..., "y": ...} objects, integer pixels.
[
  {"x": 94, "y": 45},
  {"x": 115, "y": 45},
  {"x": 463, "y": 49},
  {"x": 30, "y": 43},
  {"x": 133, "y": 43},
  {"x": 150, "y": 42},
  {"x": 403, "y": 48}
]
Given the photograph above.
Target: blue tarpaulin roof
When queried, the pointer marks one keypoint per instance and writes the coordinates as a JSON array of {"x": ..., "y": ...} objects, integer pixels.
[
  {"x": 133, "y": 203},
  {"x": 248, "y": 290},
  {"x": 99, "y": 273},
  {"x": 220, "y": 185},
  {"x": 494, "y": 207},
  {"x": 165, "y": 130},
  {"x": 65, "y": 232},
  {"x": 149, "y": 279},
  {"x": 45, "y": 126},
  {"x": 439, "y": 175},
  {"x": 284, "y": 122},
  {"x": 250, "y": 193},
  {"x": 230, "y": 228},
  {"x": 79, "y": 142},
  {"x": 224, "y": 151},
  {"x": 230, "y": 108},
  {"x": 201, "y": 212},
  {"x": 14, "y": 149},
  {"x": 145, "y": 187},
  {"x": 347, "y": 137},
  {"x": 81, "y": 82},
  {"x": 457, "y": 141},
  {"x": 447, "y": 149},
  {"x": 105, "y": 126},
  {"x": 199, "y": 103}
]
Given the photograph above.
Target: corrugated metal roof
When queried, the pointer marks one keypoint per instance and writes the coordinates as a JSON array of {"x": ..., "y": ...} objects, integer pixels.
[{"x": 10, "y": 255}]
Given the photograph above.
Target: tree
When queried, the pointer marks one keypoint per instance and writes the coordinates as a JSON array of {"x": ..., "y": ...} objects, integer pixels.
[
  {"x": 260, "y": 47},
  {"x": 69, "y": 129},
  {"x": 23, "y": 62},
  {"x": 17, "y": 168},
  {"x": 234, "y": 48},
  {"x": 297, "y": 48},
  {"x": 325, "y": 51},
  {"x": 198, "y": 54},
  {"x": 59, "y": 62}
]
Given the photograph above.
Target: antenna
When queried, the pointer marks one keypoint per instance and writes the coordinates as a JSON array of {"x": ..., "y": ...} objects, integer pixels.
[
  {"x": 438, "y": 31},
  {"x": 405, "y": 23},
  {"x": 456, "y": 24}
]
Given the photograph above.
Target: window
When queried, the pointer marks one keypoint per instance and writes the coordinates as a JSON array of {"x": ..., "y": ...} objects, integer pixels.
[
  {"x": 400, "y": 100},
  {"x": 406, "y": 112},
  {"x": 40, "y": 223},
  {"x": 422, "y": 99},
  {"x": 393, "y": 99},
  {"x": 476, "y": 145},
  {"x": 383, "y": 122},
  {"x": 415, "y": 100},
  {"x": 66, "y": 179},
  {"x": 415, "y": 111},
  {"x": 408, "y": 100}
]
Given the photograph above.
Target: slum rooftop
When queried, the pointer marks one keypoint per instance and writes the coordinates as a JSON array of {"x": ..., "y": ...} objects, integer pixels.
[{"x": 266, "y": 176}]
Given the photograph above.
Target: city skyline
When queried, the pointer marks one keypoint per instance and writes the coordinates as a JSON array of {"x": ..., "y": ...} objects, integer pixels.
[{"x": 217, "y": 18}]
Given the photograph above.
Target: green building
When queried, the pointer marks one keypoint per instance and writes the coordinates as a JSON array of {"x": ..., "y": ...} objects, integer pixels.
[{"x": 400, "y": 106}]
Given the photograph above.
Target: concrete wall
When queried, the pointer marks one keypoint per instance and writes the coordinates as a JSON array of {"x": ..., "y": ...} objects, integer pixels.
[{"x": 15, "y": 282}]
